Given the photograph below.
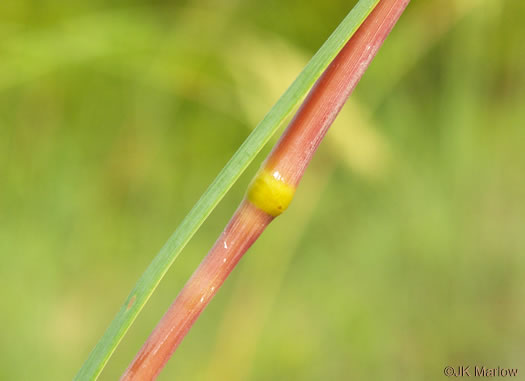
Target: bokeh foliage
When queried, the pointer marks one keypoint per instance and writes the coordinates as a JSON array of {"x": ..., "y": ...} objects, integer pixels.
[{"x": 403, "y": 252}]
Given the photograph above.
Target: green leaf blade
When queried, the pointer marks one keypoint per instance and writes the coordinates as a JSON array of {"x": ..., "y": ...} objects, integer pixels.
[{"x": 246, "y": 153}]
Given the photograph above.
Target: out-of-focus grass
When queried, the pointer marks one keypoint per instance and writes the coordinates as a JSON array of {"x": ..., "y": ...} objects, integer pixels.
[{"x": 113, "y": 120}]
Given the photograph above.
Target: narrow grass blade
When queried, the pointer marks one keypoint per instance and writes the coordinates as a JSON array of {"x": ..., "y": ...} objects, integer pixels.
[{"x": 218, "y": 188}]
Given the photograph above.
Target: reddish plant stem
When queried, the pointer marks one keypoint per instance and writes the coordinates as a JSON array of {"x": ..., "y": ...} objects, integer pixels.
[
  {"x": 243, "y": 229},
  {"x": 299, "y": 142},
  {"x": 286, "y": 164}
]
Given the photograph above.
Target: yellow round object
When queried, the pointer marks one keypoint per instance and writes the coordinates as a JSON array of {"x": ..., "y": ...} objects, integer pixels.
[{"x": 270, "y": 193}]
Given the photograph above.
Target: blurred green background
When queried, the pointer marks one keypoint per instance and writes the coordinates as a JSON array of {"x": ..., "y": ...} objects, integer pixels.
[{"x": 402, "y": 253}]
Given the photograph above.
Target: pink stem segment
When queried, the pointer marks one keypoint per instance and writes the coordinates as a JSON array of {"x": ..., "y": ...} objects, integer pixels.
[
  {"x": 286, "y": 164},
  {"x": 242, "y": 231},
  {"x": 299, "y": 142}
]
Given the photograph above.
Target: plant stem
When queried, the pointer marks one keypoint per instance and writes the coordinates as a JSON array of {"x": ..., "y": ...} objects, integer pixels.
[{"x": 272, "y": 189}]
